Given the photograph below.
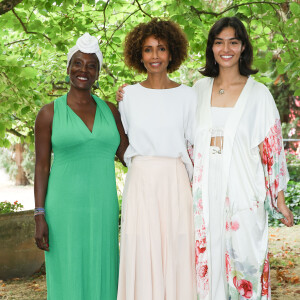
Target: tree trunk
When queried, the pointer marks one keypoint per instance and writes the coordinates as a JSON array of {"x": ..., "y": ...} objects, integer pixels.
[
  {"x": 7, "y": 5},
  {"x": 21, "y": 178}
]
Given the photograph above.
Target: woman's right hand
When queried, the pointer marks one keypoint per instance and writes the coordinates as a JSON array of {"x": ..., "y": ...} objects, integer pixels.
[
  {"x": 120, "y": 92},
  {"x": 41, "y": 233}
]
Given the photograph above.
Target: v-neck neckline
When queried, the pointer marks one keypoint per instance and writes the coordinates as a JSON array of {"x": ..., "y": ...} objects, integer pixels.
[
  {"x": 237, "y": 101},
  {"x": 90, "y": 131}
]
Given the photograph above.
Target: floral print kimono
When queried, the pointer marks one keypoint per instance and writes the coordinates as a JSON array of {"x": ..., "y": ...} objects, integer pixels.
[{"x": 250, "y": 186}]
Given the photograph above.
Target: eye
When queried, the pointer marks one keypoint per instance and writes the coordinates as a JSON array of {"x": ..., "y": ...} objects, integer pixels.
[
  {"x": 218, "y": 42},
  {"x": 234, "y": 42},
  {"x": 162, "y": 49},
  {"x": 147, "y": 50},
  {"x": 92, "y": 66},
  {"x": 77, "y": 63}
]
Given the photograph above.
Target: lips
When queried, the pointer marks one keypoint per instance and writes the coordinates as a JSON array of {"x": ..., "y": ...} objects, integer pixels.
[
  {"x": 155, "y": 64},
  {"x": 82, "y": 78},
  {"x": 226, "y": 56}
]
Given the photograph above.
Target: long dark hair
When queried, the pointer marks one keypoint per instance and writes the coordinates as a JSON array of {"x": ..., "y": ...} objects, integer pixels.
[{"x": 211, "y": 68}]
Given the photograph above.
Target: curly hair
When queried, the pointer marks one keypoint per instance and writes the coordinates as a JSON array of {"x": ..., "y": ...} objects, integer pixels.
[
  {"x": 164, "y": 30},
  {"x": 211, "y": 69}
]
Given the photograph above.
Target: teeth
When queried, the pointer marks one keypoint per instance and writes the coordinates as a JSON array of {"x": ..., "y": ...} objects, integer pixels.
[
  {"x": 226, "y": 56},
  {"x": 82, "y": 78},
  {"x": 154, "y": 64}
]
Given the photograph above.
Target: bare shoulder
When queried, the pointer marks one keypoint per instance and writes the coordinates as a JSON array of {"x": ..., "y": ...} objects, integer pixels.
[{"x": 45, "y": 115}]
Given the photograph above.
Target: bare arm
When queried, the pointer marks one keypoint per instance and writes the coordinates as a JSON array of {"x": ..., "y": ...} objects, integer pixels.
[
  {"x": 43, "y": 148},
  {"x": 288, "y": 215},
  {"x": 123, "y": 137}
]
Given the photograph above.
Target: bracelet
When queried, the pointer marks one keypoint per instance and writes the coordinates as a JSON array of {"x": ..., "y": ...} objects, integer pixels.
[{"x": 39, "y": 211}]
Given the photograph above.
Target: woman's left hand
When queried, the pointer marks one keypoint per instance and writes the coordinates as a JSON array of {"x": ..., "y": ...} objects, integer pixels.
[{"x": 288, "y": 215}]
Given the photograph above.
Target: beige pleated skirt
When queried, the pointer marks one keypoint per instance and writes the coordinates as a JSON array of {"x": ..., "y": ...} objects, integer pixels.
[{"x": 157, "y": 234}]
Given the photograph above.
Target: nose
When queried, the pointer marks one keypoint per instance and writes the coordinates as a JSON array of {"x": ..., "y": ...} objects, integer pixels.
[
  {"x": 155, "y": 54},
  {"x": 226, "y": 46},
  {"x": 84, "y": 67}
]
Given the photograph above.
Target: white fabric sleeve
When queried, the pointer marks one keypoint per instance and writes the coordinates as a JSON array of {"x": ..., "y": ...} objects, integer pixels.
[
  {"x": 123, "y": 115},
  {"x": 191, "y": 119}
]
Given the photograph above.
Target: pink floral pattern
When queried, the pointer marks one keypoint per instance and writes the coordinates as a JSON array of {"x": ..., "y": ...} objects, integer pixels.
[
  {"x": 274, "y": 163},
  {"x": 244, "y": 287},
  {"x": 201, "y": 261},
  {"x": 200, "y": 231},
  {"x": 227, "y": 264},
  {"x": 198, "y": 170},
  {"x": 265, "y": 279}
]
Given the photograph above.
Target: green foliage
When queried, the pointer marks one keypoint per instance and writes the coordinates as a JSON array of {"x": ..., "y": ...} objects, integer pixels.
[
  {"x": 7, "y": 207},
  {"x": 36, "y": 35},
  {"x": 293, "y": 162}
]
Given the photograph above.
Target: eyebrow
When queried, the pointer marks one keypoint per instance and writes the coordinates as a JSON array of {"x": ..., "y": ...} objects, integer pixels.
[
  {"x": 159, "y": 45},
  {"x": 230, "y": 39},
  {"x": 88, "y": 60}
]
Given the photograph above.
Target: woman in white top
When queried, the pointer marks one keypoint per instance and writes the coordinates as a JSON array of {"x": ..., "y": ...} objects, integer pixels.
[
  {"x": 157, "y": 258},
  {"x": 240, "y": 170}
]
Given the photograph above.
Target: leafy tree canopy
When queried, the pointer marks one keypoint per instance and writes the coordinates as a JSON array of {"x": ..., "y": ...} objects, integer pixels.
[{"x": 36, "y": 34}]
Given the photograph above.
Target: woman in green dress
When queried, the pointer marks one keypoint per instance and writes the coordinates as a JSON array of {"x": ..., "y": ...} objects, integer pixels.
[{"x": 76, "y": 202}]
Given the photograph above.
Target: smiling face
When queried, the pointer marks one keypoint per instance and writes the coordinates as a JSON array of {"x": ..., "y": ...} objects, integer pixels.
[
  {"x": 83, "y": 70},
  {"x": 227, "y": 48},
  {"x": 155, "y": 55}
]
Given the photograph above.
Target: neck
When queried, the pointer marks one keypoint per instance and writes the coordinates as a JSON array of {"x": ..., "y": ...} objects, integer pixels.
[
  {"x": 228, "y": 76},
  {"x": 157, "y": 81},
  {"x": 79, "y": 96}
]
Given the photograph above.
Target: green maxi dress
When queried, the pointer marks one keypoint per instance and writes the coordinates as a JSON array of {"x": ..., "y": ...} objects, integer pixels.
[{"x": 82, "y": 207}]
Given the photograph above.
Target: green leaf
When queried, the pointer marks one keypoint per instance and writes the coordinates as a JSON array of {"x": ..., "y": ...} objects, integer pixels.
[
  {"x": 265, "y": 79},
  {"x": 295, "y": 8},
  {"x": 25, "y": 110},
  {"x": 297, "y": 92}
]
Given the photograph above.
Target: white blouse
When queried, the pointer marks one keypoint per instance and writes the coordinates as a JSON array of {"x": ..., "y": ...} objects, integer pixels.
[
  {"x": 159, "y": 122},
  {"x": 219, "y": 117}
]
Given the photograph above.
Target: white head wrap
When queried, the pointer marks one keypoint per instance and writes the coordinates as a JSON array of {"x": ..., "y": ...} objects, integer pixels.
[{"x": 86, "y": 44}]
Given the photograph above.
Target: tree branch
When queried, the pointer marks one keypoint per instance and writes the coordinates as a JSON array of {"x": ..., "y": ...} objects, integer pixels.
[
  {"x": 199, "y": 12},
  {"x": 7, "y": 5},
  {"x": 120, "y": 25},
  {"x": 142, "y": 9},
  {"x": 19, "y": 41},
  {"x": 109, "y": 72},
  {"x": 104, "y": 18},
  {"x": 15, "y": 132},
  {"x": 25, "y": 29}
]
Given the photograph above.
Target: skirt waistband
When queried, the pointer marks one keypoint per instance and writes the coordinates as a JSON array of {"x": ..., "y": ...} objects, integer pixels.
[{"x": 155, "y": 158}]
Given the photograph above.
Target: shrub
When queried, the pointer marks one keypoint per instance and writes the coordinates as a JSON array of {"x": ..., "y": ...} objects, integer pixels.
[{"x": 7, "y": 207}]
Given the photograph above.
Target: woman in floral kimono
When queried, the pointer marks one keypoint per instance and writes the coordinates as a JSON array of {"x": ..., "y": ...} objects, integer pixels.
[{"x": 239, "y": 170}]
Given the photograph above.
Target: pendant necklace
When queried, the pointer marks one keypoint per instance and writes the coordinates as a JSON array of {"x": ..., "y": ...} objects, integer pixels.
[{"x": 221, "y": 91}]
